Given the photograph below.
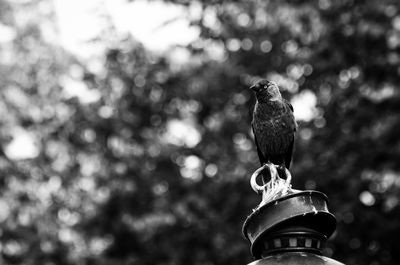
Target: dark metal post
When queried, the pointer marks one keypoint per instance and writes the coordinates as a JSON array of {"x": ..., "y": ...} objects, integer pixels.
[{"x": 291, "y": 229}]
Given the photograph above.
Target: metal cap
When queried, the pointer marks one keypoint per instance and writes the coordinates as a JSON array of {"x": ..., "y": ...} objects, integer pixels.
[{"x": 304, "y": 209}]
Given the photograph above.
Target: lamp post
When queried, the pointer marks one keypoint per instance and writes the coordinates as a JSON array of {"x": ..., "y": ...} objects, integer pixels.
[{"x": 289, "y": 227}]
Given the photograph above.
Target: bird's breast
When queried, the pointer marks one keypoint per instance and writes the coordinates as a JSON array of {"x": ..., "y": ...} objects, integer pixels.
[{"x": 283, "y": 123}]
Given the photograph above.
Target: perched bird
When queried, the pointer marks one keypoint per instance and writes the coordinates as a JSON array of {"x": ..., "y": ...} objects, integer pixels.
[{"x": 273, "y": 126}]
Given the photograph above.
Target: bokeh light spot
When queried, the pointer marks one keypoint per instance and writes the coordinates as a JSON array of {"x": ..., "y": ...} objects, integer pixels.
[
  {"x": 367, "y": 198},
  {"x": 211, "y": 170},
  {"x": 266, "y": 46},
  {"x": 304, "y": 105},
  {"x": 182, "y": 133}
]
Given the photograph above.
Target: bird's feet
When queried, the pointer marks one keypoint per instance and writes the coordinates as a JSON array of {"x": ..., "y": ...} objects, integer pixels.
[{"x": 268, "y": 174}]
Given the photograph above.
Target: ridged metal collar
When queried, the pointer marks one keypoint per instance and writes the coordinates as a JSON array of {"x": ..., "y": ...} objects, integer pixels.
[{"x": 307, "y": 209}]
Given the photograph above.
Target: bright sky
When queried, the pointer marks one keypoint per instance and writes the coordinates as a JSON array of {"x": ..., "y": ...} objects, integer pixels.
[{"x": 156, "y": 24}]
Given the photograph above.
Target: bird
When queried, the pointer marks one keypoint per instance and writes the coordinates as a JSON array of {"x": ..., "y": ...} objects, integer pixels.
[{"x": 274, "y": 126}]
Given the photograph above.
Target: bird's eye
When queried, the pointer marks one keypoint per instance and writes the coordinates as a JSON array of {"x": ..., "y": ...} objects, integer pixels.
[{"x": 265, "y": 86}]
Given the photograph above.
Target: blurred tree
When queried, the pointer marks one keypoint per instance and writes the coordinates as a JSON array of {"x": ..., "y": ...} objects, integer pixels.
[{"x": 146, "y": 160}]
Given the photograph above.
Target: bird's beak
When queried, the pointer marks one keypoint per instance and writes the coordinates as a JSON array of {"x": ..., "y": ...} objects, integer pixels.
[{"x": 254, "y": 87}]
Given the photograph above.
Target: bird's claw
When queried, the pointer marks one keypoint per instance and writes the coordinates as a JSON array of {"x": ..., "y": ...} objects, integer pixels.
[
  {"x": 274, "y": 188},
  {"x": 253, "y": 180}
]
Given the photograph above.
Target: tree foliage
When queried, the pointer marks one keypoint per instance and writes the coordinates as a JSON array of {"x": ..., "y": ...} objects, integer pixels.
[{"x": 152, "y": 167}]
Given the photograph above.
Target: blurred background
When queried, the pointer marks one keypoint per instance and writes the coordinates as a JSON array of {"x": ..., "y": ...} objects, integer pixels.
[{"x": 125, "y": 134}]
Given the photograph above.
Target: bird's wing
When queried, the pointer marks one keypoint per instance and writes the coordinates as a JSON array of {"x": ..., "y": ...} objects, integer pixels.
[
  {"x": 289, "y": 153},
  {"x": 293, "y": 123},
  {"x": 262, "y": 158},
  {"x": 288, "y": 104}
]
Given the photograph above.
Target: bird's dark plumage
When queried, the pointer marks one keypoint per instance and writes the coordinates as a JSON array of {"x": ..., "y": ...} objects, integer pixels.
[{"x": 273, "y": 125}]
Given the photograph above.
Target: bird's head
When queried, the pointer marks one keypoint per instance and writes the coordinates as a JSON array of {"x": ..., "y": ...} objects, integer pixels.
[{"x": 266, "y": 90}]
